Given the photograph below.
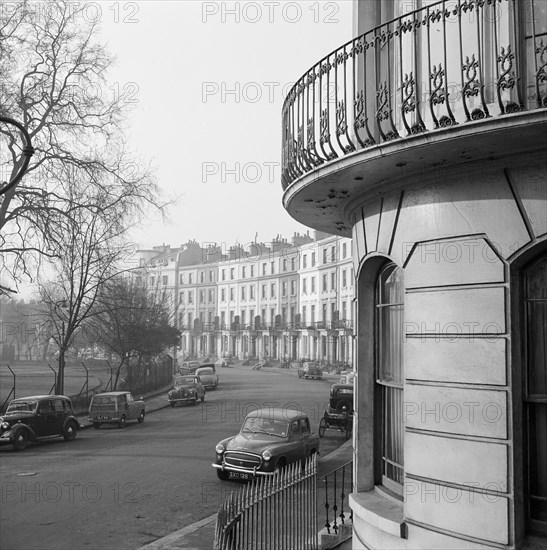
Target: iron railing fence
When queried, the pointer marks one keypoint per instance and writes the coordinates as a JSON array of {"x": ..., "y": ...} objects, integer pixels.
[
  {"x": 337, "y": 486},
  {"x": 277, "y": 512},
  {"x": 451, "y": 62}
]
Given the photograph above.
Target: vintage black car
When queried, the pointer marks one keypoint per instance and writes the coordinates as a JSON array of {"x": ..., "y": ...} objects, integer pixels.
[
  {"x": 269, "y": 440},
  {"x": 37, "y": 417},
  {"x": 187, "y": 389},
  {"x": 310, "y": 371},
  {"x": 208, "y": 375},
  {"x": 339, "y": 413}
]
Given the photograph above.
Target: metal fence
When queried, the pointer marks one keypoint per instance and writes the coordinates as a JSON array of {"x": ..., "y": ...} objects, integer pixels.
[
  {"x": 82, "y": 380},
  {"x": 336, "y": 488},
  {"x": 277, "y": 512}
]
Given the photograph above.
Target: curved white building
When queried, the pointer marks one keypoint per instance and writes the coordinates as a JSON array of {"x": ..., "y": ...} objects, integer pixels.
[{"x": 424, "y": 139}]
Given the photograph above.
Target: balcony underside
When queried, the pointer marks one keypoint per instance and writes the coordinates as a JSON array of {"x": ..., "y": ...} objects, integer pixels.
[{"x": 322, "y": 198}]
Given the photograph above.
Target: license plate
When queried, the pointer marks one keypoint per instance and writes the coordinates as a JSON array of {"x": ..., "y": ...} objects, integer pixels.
[
  {"x": 239, "y": 475},
  {"x": 103, "y": 417}
]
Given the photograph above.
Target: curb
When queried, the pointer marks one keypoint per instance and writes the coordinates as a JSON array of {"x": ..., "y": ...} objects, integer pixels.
[{"x": 172, "y": 540}]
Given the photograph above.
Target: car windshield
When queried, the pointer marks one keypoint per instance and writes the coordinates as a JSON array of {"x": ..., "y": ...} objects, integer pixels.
[
  {"x": 184, "y": 380},
  {"x": 22, "y": 406},
  {"x": 206, "y": 372},
  {"x": 267, "y": 426}
]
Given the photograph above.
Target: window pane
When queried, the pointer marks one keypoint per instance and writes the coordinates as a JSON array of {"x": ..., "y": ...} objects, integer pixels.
[
  {"x": 536, "y": 317},
  {"x": 537, "y": 429},
  {"x": 390, "y": 374},
  {"x": 393, "y": 434},
  {"x": 536, "y": 392},
  {"x": 391, "y": 286},
  {"x": 391, "y": 342}
]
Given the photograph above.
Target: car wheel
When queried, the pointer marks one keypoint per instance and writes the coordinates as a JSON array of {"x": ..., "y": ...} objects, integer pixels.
[
  {"x": 96, "y": 425},
  {"x": 122, "y": 421},
  {"x": 172, "y": 403},
  {"x": 322, "y": 427},
  {"x": 69, "y": 431},
  {"x": 224, "y": 476},
  {"x": 194, "y": 401},
  {"x": 140, "y": 420},
  {"x": 203, "y": 398},
  {"x": 20, "y": 441}
]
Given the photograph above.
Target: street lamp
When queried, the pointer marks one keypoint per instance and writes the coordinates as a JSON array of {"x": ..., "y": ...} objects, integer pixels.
[{"x": 27, "y": 152}]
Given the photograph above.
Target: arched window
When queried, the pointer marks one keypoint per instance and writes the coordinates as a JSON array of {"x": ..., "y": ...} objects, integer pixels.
[
  {"x": 389, "y": 378},
  {"x": 535, "y": 392}
]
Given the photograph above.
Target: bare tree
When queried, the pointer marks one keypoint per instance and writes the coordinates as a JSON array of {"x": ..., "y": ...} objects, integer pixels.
[
  {"x": 54, "y": 83},
  {"x": 133, "y": 322},
  {"x": 89, "y": 252}
]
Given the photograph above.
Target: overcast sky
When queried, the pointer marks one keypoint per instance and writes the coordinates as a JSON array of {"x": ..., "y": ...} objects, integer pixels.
[{"x": 207, "y": 82}]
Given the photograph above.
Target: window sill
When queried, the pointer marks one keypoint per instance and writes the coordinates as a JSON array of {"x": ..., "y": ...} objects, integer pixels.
[{"x": 379, "y": 511}]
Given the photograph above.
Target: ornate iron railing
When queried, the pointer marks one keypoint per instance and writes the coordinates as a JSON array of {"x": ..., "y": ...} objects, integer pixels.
[
  {"x": 340, "y": 324},
  {"x": 277, "y": 512},
  {"x": 452, "y": 62},
  {"x": 337, "y": 488}
]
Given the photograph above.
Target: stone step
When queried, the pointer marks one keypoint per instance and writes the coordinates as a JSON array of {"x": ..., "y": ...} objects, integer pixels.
[{"x": 328, "y": 540}]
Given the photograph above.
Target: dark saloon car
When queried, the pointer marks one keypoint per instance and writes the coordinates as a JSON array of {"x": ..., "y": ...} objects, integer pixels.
[
  {"x": 187, "y": 389},
  {"x": 208, "y": 376},
  {"x": 269, "y": 440},
  {"x": 37, "y": 417},
  {"x": 309, "y": 371}
]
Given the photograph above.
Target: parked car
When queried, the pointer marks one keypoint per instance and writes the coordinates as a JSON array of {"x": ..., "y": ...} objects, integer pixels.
[
  {"x": 309, "y": 371},
  {"x": 187, "y": 389},
  {"x": 208, "y": 376},
  {"x": 269, "y": 440},
  {"x": 38, "y": 417},
  {"x": 115, "y": 407},
  {"x": 189, "y": 367},
  {"x": 339, "y": 413}
]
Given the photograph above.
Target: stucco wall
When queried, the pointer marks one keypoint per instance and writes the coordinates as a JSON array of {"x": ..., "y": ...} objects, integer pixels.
[{"x": 455, "y": 233}]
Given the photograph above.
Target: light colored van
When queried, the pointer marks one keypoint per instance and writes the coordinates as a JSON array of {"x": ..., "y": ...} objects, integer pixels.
[{"x": 115, "y": 407}]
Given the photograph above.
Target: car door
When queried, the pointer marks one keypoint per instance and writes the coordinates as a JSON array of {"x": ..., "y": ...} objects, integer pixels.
[
  {"x": 307, "y": 439},
  {"x": 200, "y": 390},
  {"x": 131, "y": 407},
  {"x": 45, "y": 418},
  {"x": 296, "y": 449},
  {"x": 59, "y": 415}
]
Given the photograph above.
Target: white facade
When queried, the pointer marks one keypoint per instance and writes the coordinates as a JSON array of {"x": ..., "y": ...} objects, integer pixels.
[{"x": 260, "y": 302}]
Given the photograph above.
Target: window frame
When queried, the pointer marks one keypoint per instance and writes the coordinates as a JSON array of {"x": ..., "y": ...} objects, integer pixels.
[
  {"x": 386, "y": 390},
  {"x": 530, "y": 401}
]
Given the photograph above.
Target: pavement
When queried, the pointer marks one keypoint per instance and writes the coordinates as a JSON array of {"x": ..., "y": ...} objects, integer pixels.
[{"x": 200, "y": 535}]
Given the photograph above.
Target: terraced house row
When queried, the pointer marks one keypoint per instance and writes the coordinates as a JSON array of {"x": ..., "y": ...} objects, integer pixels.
[{"x": 279, "y": 300}]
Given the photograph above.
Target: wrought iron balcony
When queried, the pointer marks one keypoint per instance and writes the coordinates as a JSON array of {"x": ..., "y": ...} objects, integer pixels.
[{"x": 444, "y": 65}]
